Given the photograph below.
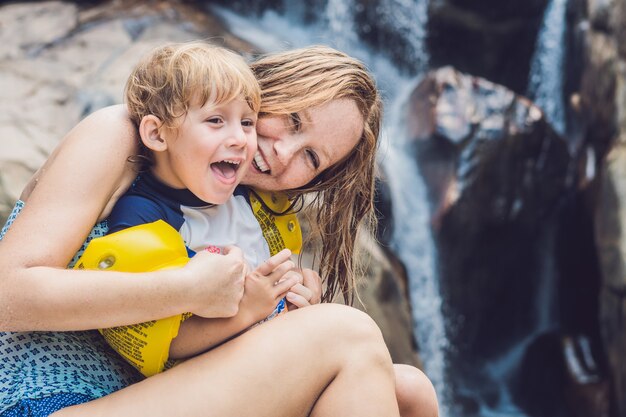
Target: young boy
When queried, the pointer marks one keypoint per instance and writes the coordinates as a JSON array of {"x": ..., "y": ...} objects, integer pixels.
[{"x": 195, "y": 107}]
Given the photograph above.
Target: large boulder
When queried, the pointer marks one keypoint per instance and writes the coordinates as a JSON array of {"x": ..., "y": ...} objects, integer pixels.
[
  {"x": 496, "y": 173},
  {"x": 59, "y": 62},
  {"x": 602, "y": 91},
  {"x": 507, "y": 222},
  {"x": 611, "y": 241}
]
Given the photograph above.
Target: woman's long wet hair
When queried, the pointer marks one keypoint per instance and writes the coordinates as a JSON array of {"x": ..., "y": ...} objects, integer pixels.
[{"x": 343, "y": 194}]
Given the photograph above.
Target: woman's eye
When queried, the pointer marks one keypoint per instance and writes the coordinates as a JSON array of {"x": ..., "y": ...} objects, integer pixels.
[
  {"x": 315, "y": 161},
  {"x": 296, "y": 123}
]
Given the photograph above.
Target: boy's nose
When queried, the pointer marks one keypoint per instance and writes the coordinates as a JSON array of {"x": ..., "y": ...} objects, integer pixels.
[{"x": 237, "y": 138}]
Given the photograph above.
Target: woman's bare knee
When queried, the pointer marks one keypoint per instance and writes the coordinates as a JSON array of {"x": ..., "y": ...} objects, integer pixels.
[
  {"x": 357, "y": 336},
  {"x": 350, "y": 323},
  {"x": 361, "y": 359},
  {"x": 415, "y": 393}
]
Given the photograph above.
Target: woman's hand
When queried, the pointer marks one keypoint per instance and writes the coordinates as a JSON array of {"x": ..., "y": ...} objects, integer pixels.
[
  {"x": 307, "y": 293},
  {"x": 217, "y": 282}
]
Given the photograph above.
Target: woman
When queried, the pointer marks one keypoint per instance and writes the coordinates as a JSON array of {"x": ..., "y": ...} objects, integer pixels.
[{"x": 318, "y": 133}]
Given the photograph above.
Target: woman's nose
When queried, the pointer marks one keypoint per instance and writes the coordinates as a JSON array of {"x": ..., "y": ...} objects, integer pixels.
[{"x": 285, "y": 149}]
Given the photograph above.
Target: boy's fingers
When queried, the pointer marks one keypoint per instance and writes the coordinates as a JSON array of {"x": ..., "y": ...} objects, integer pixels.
[
  {"x": 272, "y": 263},
  {"x": 281, "y": 270},
  {"x": 288, "y": 280},
  {"x": 302, "y": 291},
  {"x": 297, "y": 300}
]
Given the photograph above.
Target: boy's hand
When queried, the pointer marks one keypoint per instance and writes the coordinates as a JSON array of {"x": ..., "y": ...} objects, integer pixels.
[
  {"x": 307, "y": 293},
  {"x": 267, "y": 285},
  {"x": 217, "y": 282}
]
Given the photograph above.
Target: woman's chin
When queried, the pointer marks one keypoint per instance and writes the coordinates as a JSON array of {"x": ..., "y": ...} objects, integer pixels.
[{"x": 255, "y": 178}]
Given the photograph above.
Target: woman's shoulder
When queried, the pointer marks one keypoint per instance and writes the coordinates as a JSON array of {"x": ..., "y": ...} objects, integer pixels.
[
  {"x": 105, "y": 139},
  {"x": 115, "y": 111},
  {"x": 112, "y": 118}
]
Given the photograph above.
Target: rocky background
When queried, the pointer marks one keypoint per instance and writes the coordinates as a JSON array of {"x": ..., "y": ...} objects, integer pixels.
[{"x": 528, "y": 224}]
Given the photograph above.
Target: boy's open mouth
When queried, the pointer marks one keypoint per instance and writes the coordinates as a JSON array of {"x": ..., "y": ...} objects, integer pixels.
[{"x": 226, "y": 168}]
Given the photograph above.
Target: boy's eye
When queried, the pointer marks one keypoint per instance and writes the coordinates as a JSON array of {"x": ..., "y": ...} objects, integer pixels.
[
  {"x": 315, "y": 161},
  {"x": 247, "y": 123},
  {"x": 214, "y": 119},
  {"x": 296, "y": 122}
]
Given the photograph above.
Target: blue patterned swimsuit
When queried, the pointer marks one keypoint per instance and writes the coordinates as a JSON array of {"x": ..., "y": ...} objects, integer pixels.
[{"x": 42, "y": 365}]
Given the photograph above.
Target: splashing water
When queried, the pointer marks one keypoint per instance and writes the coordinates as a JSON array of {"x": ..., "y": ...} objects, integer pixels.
[
  {"x": 545, "y": 84},
  {"x": 340, "y": 21},
  {"x": 414, "y": 245},
  {"x": 409, "y": 18}
]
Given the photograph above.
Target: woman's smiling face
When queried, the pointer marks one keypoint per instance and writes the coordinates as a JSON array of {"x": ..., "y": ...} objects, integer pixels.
[{"x": 293, "y": 150}]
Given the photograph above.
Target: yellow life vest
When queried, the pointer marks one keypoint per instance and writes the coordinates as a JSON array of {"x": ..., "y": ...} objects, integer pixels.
[{"x": 157, "y": 246}]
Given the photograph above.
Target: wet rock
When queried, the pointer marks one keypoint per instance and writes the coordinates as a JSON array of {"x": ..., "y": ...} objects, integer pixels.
[
  {"x": 60, "y": 61},
  {"x": 587, "y": 390},
  {"x": 384, "y": 213},
  {"x": 468, "y": 132},
  {"x": 561, "y": 369},
  {"x": 493, "y": 39},
  {"x": 603, "y": 88},
  {"x": 502, "y": 188},
  {"x": 488, "y": 157},
  {"x": 611, "y": 242},
  {"x": 383, "y": 295},
  {"x": 600, "y": 14},
  {"x": 539, "y": 385},
  {"x": 26, "y": 28}
]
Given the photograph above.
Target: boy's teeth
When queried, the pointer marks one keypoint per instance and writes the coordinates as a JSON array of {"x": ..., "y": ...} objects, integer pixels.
[
  {"x": 230, "y": 161},
  {"x": 260, "y": 163}
]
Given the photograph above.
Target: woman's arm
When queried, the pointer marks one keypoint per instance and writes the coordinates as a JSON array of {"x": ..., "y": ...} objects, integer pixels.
[
  {"x": 99, "y": 144},
  {"x": 76, "y": 187}
]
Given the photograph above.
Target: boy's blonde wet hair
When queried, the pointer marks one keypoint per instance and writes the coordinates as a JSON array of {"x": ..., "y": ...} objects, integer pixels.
[
  {"x": 300, "y": 79},
  {"x": 173, "y": 77}
]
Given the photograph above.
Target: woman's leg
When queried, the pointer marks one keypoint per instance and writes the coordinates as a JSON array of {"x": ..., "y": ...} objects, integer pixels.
[
  {"x": 416, "y": 394},
  {"x": 322, "y": 360}
]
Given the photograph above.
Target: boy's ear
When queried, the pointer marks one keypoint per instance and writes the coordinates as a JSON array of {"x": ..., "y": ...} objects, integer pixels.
[{"x": 149, "y": 131}]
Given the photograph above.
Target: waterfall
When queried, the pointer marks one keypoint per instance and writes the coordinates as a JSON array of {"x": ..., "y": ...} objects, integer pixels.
[
  {"x": 409, "y": 19},
  {"x": 413, "y": 243},
  {"x": 340, "y": 21},
  {"x": 545, "y": 85}
]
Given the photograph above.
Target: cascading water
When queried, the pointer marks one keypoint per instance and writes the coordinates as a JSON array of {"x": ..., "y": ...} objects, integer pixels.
[
  {"x": 545, "y": 86},
  {"x": 413, "y": 243},
  {"x": 409, "y": 19},
  {"x": 340, "y": 21}
]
